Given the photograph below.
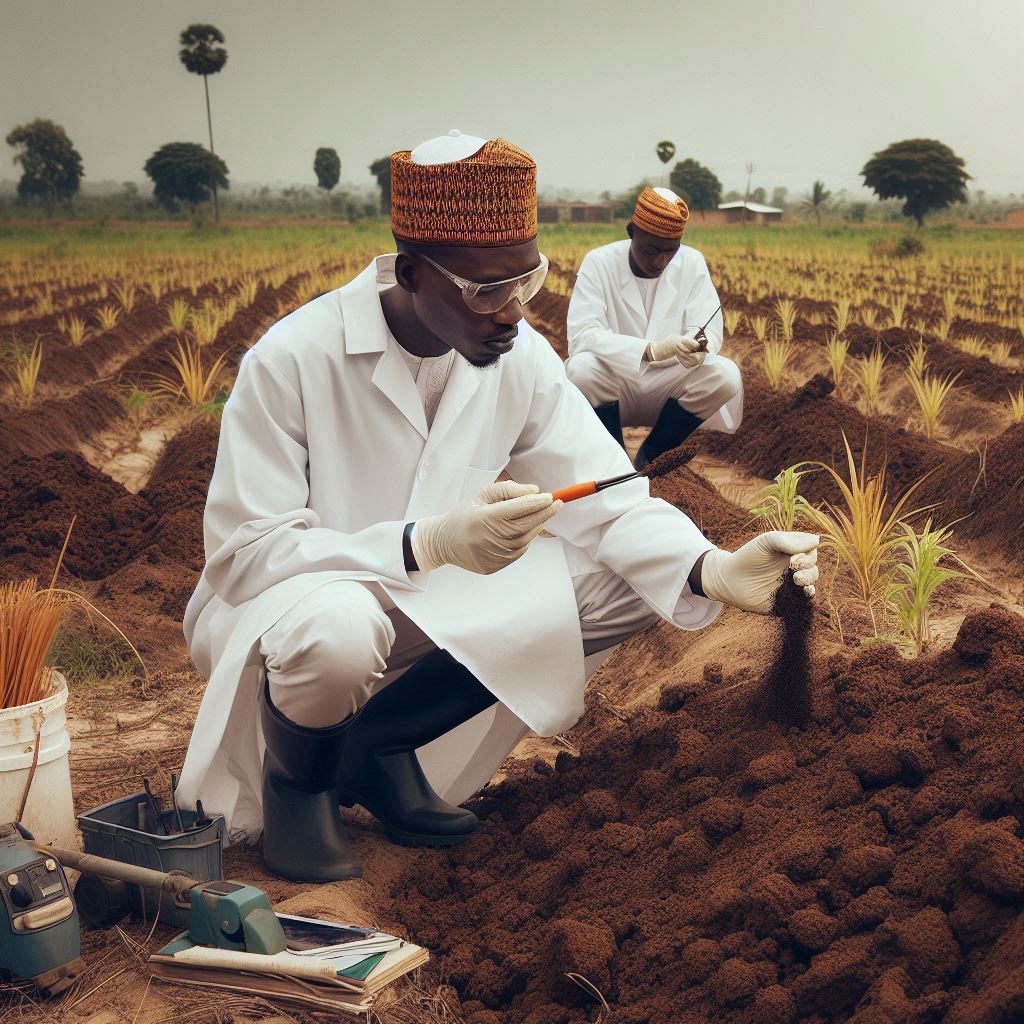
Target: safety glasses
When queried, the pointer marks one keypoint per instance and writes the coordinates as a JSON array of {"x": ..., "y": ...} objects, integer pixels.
[{"x": 496, "y": 295}]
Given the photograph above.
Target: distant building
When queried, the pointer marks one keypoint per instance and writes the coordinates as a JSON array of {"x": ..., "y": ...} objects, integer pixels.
[
  {"x": 746, "y": 212},
  {"x": 576, "y": 213}
]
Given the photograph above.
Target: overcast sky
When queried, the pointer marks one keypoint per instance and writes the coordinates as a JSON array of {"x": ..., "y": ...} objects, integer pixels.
[{"x": 804, "y": 89}]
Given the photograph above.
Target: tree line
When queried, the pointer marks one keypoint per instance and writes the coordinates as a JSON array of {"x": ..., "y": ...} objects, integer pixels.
[{"x": 925, "y": 173}]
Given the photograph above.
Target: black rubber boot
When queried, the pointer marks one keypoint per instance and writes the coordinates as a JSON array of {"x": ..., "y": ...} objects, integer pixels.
[
  {"x": 379, "y": 768},
  {"x": 303, "y": 835},
  {"x": 608, "y": 414},
  {"x": 673, "y": 427}
]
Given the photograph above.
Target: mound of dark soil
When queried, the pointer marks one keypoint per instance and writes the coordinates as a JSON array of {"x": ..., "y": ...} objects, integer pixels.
[
  {"x": 145, "y": 551},
  {"x": 703, "y": 862},
  {"x": 546, "y": 313},
  {"x": 780, "y": 430}
]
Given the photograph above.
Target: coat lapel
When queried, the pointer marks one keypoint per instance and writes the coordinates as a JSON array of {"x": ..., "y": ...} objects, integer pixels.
[
  {"x": 461, "y": 387},
  {"x": 366, "y": 332},
  {"x": 629, "y": 289}
]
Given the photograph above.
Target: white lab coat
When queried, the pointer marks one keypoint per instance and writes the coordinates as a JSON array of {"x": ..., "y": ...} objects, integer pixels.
[
  {"x": 324, "y": 456},
  {"x": 607, "y": 316}
]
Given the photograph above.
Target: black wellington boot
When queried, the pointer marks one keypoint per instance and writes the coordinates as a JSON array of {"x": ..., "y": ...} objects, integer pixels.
[
  {"x": 303, "y": 835},
  {"x": 379, "y": 768},
  {"x": 674, "y": 425},
  {"x": 608, "y": 414}
]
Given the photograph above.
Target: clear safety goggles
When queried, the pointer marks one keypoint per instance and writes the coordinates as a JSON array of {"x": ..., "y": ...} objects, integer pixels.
[{"x": 496, "y": 295}]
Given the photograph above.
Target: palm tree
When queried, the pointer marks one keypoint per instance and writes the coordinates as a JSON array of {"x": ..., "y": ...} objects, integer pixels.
[
  {"x": 817, "y": 199},
  {"x": 201, "y": 54}
]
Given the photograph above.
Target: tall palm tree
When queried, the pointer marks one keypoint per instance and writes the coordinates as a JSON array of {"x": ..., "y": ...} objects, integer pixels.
[
  {"x": 816, "y": 200},
  {"x": 202, "y": 55}
]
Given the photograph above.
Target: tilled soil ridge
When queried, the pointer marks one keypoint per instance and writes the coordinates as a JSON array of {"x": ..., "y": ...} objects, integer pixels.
[{"x": 702, "y": 862}]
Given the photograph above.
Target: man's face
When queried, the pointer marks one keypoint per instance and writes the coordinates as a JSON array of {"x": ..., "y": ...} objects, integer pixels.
[
  {"x": 481, "y": 338},
  {"x": 649, "y": 253}
]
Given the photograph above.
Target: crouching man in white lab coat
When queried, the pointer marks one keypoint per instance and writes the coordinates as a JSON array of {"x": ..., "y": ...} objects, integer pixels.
[
  {"x": 645, "y": 333},
  {"x": 379, "y": 618}
]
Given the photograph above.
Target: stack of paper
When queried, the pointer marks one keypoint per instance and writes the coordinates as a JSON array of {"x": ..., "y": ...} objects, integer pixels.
[{"x": 344, "y": 975}]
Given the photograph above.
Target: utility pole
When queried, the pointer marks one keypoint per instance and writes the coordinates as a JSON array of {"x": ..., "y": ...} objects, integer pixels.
[{"x": 746, "y": 198}]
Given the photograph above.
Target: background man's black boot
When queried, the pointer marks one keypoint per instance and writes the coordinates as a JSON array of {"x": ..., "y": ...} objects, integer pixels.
[
  {"x": 303, "y": 835},
  {"x": 674, "y": 425},
  {"x": 608, "y": 414},
  {"x": 378, "y": 767}
]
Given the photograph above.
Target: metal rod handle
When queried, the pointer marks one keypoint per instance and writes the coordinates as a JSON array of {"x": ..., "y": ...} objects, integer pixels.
[{"x": 90, "y": 864}]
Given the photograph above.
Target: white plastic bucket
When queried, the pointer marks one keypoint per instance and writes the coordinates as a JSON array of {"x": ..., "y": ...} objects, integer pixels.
[{"x": 49, "y": 813}]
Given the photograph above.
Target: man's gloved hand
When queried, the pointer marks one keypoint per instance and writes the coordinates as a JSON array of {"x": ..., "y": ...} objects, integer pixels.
[
  {"x": 486, "y": 533},
  {"x": 748, "y": 578},
  {"x": 689, "y": 353},
  {"x": 664, "y": 349}
]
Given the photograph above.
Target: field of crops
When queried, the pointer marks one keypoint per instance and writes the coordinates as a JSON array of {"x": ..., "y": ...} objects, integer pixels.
[{"x": 863, "y": 863}]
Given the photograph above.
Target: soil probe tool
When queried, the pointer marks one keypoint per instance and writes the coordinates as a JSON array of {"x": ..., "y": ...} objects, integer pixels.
[
  {"x": 700, "y": 337},
  {"x": 591, "y": 487}
]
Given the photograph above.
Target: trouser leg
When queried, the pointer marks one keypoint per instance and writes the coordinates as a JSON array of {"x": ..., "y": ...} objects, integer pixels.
[
  {"x": 600, "y": 387},
  {"x": 678, "y": 400}
]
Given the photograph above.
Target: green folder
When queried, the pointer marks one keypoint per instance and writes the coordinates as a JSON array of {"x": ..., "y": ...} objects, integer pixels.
[{"x": 361, "y": 970}]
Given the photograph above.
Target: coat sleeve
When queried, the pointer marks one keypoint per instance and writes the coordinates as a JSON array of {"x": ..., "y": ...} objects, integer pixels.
[
  {"x": 700, "y": 302},
  {"x": 588, "y": 324},
  {"x": 646, "y": 541},
  {"x": 257, "y": 529}
]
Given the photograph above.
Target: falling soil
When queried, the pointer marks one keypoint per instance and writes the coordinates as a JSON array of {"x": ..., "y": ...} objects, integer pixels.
[
  {"x": 785, "y": 694},
  {"x": 699, "y": 862}
]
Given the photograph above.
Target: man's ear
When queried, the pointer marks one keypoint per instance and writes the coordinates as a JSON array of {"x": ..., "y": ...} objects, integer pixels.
[
  {"x": 406, "y": 273},
  {"x": 629, "y": 229}
]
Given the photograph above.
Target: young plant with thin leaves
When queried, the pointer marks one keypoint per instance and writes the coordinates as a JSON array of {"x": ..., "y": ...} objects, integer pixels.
[
  {"x": 932, "y": 392},
  {"x": 775, "y": 354},
  {"x": 1017, "y": 404},
  {"x": 841, "y": 315},
  {"x": 835, "y": 351},
  {"x": 780, "y": 505},
  {"x": 759, "y": 325},
  {"x": 194, "y": 385},
  {"x": 868, "y": 371},
  {"x": 1000, "y": 352},
  {"x": 74, "y": 327},
  {"x": 178, "y": 314},
  {"x": 731, "y": 317},
  {"x": 917, "y": 575},
  {"x": 785, "y": 313},
  {"x": 107, "y": 316},
  {"x": 862, "y": 529},
  {"x": 917, "y": 357},
  {"x": 26, "y": 373}
]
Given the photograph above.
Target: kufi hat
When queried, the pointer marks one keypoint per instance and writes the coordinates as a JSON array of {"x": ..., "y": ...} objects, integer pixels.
[
  {"x": 661, "y": 212},
  {"x": 461, "y": 190}
]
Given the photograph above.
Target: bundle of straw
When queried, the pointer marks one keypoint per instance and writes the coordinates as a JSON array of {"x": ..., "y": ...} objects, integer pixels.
[{"x": 29, "y": 619}]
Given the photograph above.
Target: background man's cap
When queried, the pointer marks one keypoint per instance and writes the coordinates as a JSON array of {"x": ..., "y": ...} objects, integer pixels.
[
  {"x": 661, "y": 212},
  {"x": 462, "y": 190}
]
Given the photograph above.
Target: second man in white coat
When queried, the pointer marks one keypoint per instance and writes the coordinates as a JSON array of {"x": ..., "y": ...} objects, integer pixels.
[{"x": 635, "y": 342}]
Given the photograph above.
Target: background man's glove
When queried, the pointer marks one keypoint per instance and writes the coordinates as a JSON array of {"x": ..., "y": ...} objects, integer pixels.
[
  {"x": 749, "y": 577},
  {"x": 689, "y": 353},
  {"x": 486, "y": 533},
  {"x": 664, "y": 349}
]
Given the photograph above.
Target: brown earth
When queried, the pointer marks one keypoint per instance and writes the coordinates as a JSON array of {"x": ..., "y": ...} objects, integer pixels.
[{"x": 694, "y": 853}]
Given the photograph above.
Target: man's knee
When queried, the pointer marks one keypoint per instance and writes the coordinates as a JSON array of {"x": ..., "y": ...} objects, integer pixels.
[
  {"x": 590, "y": 375},
  {"x": 324, "y": 655},
  {"x": 726, "y": 379}
]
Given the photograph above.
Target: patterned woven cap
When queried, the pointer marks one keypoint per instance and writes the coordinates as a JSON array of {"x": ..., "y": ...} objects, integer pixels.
[
  {"x": 659, "y": 215},
  {"x": 487, "y": 199}
]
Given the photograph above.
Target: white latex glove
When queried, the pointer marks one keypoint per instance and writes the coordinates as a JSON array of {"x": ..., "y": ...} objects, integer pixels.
[
  {"x": 664, "y": 349},
  {"x": 748, "y": 578},
  {"x": 486, "y": 533},
  {"x": 689, "y": 353}
]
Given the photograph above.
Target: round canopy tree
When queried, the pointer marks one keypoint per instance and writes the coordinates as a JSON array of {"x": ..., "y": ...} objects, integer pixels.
[
  {"x": 185, "y": 172},
  {"x": 51, "y": 166},
  {"x": 327, "y": 167},
  {"x": 202, "y": 54},
  {"x": 925, "y": 173},
  {"x": 697, "y": 184},
  {"x": 381, "y": 170}
]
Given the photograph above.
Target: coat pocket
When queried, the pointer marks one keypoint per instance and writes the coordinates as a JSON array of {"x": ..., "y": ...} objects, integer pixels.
[{"x": 476, "y": 479}]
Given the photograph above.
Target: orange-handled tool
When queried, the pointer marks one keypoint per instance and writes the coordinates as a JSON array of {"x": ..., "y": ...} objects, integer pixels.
[{"x": 590, "y": 487}]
